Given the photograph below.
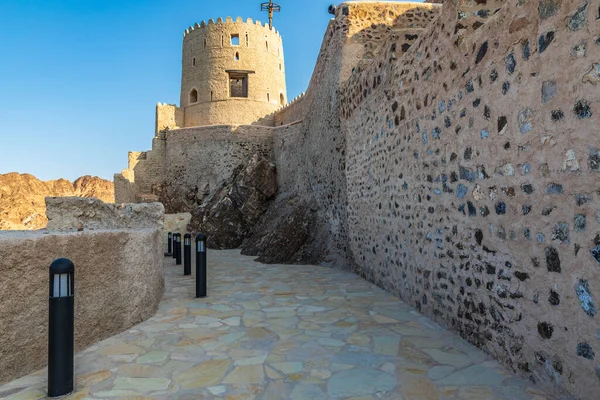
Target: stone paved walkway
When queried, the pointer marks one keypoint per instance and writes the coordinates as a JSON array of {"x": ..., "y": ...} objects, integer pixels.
[{"x": 283, "y": 332}]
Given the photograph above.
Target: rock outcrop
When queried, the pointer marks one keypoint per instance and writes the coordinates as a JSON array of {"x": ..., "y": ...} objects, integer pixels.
[
  {"x": 69, "y": 213},
  {"x": 282, "y": 233},
  {"x": 22, "y": 205},
  {"x": 227, "y": 215}
]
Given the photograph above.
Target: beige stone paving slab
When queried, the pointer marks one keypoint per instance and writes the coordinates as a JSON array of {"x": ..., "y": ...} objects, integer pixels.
[{"x": 329, "y": 335}]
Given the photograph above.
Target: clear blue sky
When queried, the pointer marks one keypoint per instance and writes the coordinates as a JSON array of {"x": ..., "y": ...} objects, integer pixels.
[{"x": 79, "y": 79}]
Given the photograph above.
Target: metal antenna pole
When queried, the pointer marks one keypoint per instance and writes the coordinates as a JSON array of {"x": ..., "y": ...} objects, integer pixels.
[{"x": 270, "y": 7}]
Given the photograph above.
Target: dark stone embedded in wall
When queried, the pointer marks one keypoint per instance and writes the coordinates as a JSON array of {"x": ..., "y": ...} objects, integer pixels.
[
  {"x": 545, "y": 40},
  {"x": 585, "y": 350},
  {"x": 545, "y": 330},
  {"x": 577, "y": 20},
  {"x": 582, "y": 109},
  {"x": 552, "y": 260},
  {"x": 228, "y": 214},
  {"x": 548, "y": 8},
  {"x": 585, "y": 297}
]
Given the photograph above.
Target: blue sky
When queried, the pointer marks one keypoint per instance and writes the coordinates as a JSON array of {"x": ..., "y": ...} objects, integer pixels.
[{"x": 79, "y": 79}]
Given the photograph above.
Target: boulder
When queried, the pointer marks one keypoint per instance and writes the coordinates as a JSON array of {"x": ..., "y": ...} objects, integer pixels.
[
  {"x": 282, "y": 234},
  {"x": 227, "y": 215},
  {"x": 69, "y": 213}
]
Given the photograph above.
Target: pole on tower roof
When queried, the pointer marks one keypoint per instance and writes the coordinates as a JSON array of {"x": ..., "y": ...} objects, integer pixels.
[{"x": 270, "y": 7}]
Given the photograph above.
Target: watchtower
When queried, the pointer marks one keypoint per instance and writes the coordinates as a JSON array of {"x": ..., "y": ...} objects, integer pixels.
[{"x": 232, "y": 72}]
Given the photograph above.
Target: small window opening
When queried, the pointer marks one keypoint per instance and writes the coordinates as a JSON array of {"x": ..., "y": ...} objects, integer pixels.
[
  {"x": 247, "y": 41},
  {"x": 235, "y": 39},
  {"x": 267, "y": 45},
  {"x": 204, "y": 42},
  {"x": 268, "y": 97},
  {"x": 194, "y": 61},
  {"x": 280, "y": 66},
  {"x": 211, "y": 95},
  {"x": 282, "y": 99},
  {"x": 238, "y": 84},
  {"x": 237, "y": 56},
  {"x": 193, "y": 96},
  {"x": 222, "y": 41}
]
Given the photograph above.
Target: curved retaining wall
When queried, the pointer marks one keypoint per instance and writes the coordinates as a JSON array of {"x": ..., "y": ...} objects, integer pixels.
[{"x": 119, "y": 281}]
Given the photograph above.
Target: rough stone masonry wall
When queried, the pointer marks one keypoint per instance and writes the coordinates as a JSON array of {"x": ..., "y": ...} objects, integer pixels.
[
  {"x": 472, "y": 170},
  {"x": 310, "y": 156},
  {"x": 119, "y": 282}
]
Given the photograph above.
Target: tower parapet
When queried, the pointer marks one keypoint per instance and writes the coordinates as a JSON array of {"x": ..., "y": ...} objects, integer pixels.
[{"x": 232, "y": 72}]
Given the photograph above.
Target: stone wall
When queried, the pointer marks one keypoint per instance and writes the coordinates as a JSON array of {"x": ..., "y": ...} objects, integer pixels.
[
  {"x": 175, "y": 223},
  {"x": 168, "y": 116},
  {"x": 471, "y": 168},
  {"x": 310, "y": 154},
  {"x": 118, "y": 283}
]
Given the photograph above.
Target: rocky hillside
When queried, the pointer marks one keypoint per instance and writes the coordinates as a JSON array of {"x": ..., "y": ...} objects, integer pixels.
[{"x": 22, "y": 196}]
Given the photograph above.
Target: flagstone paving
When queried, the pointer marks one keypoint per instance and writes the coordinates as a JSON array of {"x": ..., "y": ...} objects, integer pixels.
[{"x": 277, "y": 332}]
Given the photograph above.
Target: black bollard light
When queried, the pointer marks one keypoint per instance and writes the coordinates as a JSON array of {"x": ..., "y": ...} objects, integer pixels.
[
  {"x": 174, "y": 245},
  {"x": 201, "y": 265},
  {"x": 187, "y": 254},
  {"x": 61, "y": 319},
  {"x": 178, "y": 250},
  {"x": 169, "y": 244}
]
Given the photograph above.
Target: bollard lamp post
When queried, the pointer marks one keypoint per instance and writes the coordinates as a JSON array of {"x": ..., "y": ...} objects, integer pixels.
[
  {"x": 178, "y": 249},
  {"x": 61, "y": 320},
  {"x": 187, "y": 254},
  {"x": 169, "y": 244},
  {"x": 174, "y": 245},
  {"x": 201, "y": 265}
]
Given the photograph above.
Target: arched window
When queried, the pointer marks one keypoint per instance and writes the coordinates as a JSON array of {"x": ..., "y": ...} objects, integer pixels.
[
  {"x": 235, "y": 39},
  {"x": 237, "y": 56},
  {"x": 247, "y": 41},
  {"x": 281, "y": 99},
  {"x": 193, "y": 96},
  {"x": 194, "y": 61}
]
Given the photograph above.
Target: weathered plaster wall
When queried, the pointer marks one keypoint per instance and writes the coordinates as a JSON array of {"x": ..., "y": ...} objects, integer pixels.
[
  {"x": 471, "y": 168},
  {"x": 119, "y": 281},
  {"x": 208, "y": 53}
]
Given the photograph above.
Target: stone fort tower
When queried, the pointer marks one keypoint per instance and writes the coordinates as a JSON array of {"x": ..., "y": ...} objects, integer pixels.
[{"x": 232, "y": 73}]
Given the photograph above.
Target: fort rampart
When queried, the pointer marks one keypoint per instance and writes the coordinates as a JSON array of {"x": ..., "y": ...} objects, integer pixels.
[{"x": 449, "y": 155}]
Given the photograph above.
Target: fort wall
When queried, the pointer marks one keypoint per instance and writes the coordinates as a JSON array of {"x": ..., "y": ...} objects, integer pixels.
[
  {"x": 452, "y": 163},
  {"x": 471, "y": 170},
  {"x": 168, "y": 116}
]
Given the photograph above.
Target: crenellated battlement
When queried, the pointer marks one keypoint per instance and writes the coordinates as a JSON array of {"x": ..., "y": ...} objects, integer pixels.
[{"x": 210, "y": 24}]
